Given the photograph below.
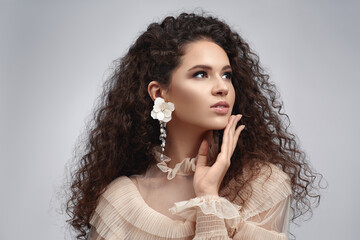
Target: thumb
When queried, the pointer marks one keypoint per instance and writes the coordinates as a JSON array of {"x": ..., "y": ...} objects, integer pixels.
[{"x": 202, "y": 154}]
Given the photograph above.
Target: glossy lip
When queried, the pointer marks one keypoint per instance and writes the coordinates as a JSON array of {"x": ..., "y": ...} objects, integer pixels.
[
  {"x": 222, "y": 110},
  {"x": 221, "y": 103}
]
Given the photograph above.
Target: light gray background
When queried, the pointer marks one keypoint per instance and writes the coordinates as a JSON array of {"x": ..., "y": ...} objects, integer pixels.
[{"x": 55, "y": 56}]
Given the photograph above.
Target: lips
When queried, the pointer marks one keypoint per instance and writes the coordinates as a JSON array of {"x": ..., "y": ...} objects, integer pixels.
[
  {"x": 221, "y": 104},
  {"x": 221, "y": 107}
]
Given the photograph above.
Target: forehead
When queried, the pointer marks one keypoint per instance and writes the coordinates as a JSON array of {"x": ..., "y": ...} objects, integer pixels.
[{"x": 204, "y": 52}]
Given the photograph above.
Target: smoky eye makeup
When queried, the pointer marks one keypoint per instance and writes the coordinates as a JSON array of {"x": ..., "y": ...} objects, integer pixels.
[
  {"x": 200, "y": 74},
  {"x": 203, "y": 74},
  {"x": 205, "y": 71},
  {"x": 228, "y": 75}
]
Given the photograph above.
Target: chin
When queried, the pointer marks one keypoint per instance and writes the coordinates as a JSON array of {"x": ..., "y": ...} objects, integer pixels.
[{"x": 218, "y": 125}]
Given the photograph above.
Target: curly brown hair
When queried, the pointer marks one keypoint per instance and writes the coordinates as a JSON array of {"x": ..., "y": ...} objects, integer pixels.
[{"x": 122, "y": 133}]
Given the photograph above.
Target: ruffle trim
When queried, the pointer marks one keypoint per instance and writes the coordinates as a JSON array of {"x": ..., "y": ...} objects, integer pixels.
[
  {"x": 209, "y": 204},
  {"x": 184, "y": 168},
  {"x": 121, "y": 211}
]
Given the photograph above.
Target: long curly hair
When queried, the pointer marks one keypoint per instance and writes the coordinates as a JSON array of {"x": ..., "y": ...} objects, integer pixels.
[{"x": 122, "y": 134}]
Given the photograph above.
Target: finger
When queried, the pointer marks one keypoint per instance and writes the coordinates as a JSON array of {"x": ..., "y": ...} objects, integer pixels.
[
  {"x": 225, "y": 135},
  {"x": 202, "y": 154},
  {"x": 230, "y": 143},
  {"x": 237, "y": 119},
  {"x": 226, "y": 142},
  {"x": 238, "y": 131},
  {"x": 232, "y": 131},
  {"x": 217, "y": 169},
  {"x": 237, "y": 134}
]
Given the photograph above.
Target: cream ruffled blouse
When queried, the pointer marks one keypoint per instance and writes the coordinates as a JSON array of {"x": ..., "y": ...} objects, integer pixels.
[{"x": 161, "y": 204}]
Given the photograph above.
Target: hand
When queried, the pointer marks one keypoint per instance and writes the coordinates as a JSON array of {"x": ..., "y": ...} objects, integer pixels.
[{"x": 207, "y": 179}]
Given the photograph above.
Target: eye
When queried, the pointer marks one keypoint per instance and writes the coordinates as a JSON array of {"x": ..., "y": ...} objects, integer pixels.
[
  {"x": 200, "y": 74},
  {"x": 227, "y": 75}
]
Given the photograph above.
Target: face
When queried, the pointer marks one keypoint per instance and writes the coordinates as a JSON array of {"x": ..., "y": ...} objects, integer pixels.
[{"x": 201, "y": 87}]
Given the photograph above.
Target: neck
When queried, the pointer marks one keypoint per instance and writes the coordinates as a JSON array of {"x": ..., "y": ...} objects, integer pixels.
[{"x": 183, "y": 141}]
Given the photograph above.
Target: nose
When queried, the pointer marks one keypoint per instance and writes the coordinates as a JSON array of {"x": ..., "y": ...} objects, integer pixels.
[{"x": 220, "y": 87}]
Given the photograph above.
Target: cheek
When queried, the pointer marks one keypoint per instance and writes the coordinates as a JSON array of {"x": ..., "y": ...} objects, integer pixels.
[{"x": 189, "y": 101}]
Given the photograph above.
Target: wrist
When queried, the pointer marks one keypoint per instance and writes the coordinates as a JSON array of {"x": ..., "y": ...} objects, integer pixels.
[{"x": 201, "y": 194}]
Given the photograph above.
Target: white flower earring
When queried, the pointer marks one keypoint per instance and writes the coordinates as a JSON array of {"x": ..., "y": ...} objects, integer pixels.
[{"x": 162, "y": 111}]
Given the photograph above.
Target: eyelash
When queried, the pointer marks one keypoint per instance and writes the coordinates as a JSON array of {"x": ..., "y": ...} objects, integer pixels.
[
  {"x": 198, "y": 73},
  {"x": 229, "y": 75},
  {"x": 204, "y": 73}
]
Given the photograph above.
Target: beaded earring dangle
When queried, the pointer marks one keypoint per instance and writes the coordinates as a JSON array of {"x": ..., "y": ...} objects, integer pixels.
[{"x": 162, "y": 111}]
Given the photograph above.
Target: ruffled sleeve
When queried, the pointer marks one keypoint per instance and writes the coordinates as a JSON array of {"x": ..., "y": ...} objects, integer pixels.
[
  {"x": 268, "y": 225},
  {"x": 266, "y": 213},
  {"x": 264, "y": 216},
  {"x": 213, "y": 215}
]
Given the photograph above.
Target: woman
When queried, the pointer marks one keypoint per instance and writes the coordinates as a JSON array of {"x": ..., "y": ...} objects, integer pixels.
[{"x": 169, "y": 156}]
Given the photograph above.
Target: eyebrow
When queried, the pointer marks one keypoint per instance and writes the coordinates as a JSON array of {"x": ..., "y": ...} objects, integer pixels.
[{"x": 208, "y": 67}]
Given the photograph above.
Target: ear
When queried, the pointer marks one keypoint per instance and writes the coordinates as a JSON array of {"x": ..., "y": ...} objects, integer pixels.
[{"x": 155, "y": 90}]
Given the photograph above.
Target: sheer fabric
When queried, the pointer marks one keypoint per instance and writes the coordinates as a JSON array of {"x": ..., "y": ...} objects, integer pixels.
[{"x": 161, "y": 204}]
